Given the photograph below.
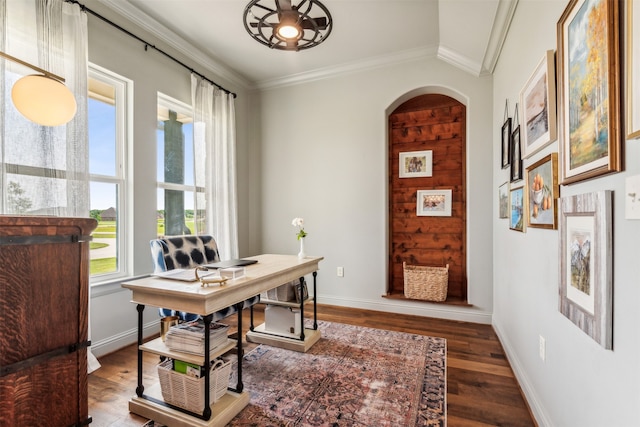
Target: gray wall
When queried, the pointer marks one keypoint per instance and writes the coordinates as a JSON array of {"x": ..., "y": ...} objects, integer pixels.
[
  {"x": 324, "y": 158},
  {"x": 113, "y": 317},
  {"x": 318, "y": 150},
  {"x": 580, "y": 383}
]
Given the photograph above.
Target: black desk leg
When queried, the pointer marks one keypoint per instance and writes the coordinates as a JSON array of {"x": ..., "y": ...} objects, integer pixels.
[
  {"x": 302, "y": 308},
  {"x": 251, "y": 318},
  {"x": 140, "y": 388},
  {"x": 239, "y": 385},
  {"x": 315, "y": 302},
  {"x": 206, "y": 413}
]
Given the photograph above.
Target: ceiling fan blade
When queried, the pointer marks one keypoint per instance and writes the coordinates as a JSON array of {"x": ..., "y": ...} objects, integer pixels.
[
  {"x": 264, "y": 24},
  {"x": 321, "y": 23}
]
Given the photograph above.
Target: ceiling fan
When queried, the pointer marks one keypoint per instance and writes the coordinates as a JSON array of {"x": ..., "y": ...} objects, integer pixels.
[{"x": 287, "y": 24}]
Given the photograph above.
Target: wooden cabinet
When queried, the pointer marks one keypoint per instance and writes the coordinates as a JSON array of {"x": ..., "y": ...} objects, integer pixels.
[{"x": 44, "y": 279}]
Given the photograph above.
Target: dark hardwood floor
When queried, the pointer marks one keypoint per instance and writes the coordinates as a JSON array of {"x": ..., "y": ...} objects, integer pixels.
[{"x": 481, "y": 388}]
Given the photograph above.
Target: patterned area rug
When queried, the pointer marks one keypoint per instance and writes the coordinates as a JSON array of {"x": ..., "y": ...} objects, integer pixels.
[{"x": 353, "y": 376}]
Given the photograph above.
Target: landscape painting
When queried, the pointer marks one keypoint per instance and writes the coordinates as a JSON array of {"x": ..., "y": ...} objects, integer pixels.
[
  {"x": 586, "y": 277},
  {"x": 580, "y": 273},
  {"x": 588, "y": 59},
  {"x": 516, "y": 219},
  {"x": 539, "y": 106},
  {"x": 503, "y": 200}
]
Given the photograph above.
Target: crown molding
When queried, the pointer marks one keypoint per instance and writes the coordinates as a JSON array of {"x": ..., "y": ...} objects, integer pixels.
[
  {"x": 499, "y": 30},
  {"x": 144, "y": 21},
  {"x": 459, "y": 61},
  {"x": 348, "y": 68}
]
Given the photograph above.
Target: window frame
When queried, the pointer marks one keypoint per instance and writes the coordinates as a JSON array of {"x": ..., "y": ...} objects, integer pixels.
[{"x": 123, "y": 118}]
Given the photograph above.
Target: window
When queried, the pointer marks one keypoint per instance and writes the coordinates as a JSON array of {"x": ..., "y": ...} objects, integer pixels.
[
  {"x": 175, "y": 166},
  {"x": 108, "y": 130}
]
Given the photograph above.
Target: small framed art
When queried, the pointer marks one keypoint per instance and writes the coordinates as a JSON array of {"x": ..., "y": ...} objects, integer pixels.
[
  {"x": 538, "y": 100},
  {"x": 585, "y": 264},
  {"x": 506, "y": 143},
  {"x": 542, "y": 189},
  {"x": 516, "y": 156},
  {"x": 517, "y": 208},
  {"x": 503, "y": 200},
  {"x": 414, "y": 164},
  {"x": 433, "y": 203}
]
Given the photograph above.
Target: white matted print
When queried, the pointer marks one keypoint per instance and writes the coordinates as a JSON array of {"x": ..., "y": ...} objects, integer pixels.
[
  {"x": 538, "y": 99},
  {"x": 415, "y": 164},
  {"x": 433, "y": 203},
  {"x": 586, "y": 279}
]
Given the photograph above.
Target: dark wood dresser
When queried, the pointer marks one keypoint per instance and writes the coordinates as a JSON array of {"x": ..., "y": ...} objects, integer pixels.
[{"x": 44, "y": 289}]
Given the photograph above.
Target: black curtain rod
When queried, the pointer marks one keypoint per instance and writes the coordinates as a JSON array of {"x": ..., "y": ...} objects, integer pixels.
[{"x": 147, "y": 44}]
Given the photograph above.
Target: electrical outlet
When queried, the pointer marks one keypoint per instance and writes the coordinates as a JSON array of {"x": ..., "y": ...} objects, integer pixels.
[
  {"x": 543, "y": 348},
  {"x": 340, "y": 271}
]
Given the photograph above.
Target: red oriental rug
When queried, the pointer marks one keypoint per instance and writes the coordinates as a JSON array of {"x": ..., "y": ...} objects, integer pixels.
[{"x": 353, "y": 376}]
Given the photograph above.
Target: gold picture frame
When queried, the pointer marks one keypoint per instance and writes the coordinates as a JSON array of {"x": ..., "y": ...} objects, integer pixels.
[
  {"x": 589, "y": 89},
  {"x": 542, "y": 192}
]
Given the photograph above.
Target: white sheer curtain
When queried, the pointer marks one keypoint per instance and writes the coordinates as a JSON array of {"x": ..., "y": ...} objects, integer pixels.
[
  {"x": 215, "y": 164},
  {"x": 44, "y": 170}
]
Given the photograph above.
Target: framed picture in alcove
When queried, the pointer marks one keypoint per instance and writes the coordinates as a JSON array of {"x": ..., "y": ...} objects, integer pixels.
[
  {"x": 415, "y": 164},
  {"x": 433, "y": 203}
]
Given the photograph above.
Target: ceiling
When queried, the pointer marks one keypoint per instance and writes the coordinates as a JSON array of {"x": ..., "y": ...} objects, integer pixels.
[{"x": 366, "y": 33}]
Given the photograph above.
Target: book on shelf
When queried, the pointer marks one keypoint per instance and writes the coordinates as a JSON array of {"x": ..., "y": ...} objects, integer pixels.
[{"x": 188, "y": 337}]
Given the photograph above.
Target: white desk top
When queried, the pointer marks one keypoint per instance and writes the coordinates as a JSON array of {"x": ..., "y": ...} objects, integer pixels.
[{"x": 270, "y": 272}]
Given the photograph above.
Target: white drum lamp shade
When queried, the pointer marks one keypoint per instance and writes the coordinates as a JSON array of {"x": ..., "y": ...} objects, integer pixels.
[{"x": 44, "y": 100}]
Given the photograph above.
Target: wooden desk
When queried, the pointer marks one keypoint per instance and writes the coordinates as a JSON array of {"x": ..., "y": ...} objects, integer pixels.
[{"x": 270, "y": 272}]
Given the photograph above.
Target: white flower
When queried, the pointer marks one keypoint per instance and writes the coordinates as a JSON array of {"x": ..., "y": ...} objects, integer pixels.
[{"x": 299, "y": 222}]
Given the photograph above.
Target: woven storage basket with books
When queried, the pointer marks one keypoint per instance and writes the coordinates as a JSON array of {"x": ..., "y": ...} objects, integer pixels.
[
  {"x": 187, "y": 392},
  {"x": 425, "y": 283}
]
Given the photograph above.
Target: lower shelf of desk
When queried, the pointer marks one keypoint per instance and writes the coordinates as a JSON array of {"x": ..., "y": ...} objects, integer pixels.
[
  {"x": 223, "y": 411},
  {"x": 260, "y": 335}
]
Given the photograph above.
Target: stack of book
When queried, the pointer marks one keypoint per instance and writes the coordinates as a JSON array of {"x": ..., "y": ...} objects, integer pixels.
[{"x": 188, "y": 337}]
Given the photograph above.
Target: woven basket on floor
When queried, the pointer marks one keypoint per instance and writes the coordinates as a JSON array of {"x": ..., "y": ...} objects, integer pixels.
[
  {"x": 425, "y": 283},
  {"x": 187, "y": 392}
]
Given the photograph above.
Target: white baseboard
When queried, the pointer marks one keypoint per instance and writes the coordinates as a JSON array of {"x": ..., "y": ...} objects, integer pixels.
[
  {"x": 530, "y": 395},
  {"x": 116, "y": 342},
  {"x": 437, "y": 310}
]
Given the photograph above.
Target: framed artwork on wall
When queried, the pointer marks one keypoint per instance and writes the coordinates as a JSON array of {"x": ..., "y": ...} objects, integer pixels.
[
  {"x": 589, "y": 89},
  {"x": 503, "y": 200},
  {"x": 633, "y": 68},
  {"x": 543, "y": 190},
  {"x": 414, "y": 164},
  {"x": 516, "y": 155},
  {"x": 506, "y": 143},
  {"x": 433, "y": 203},
  {"x": 585, "y": 264},
  {"x": 538, "y": 100},
  {"x": 517, "y": 209}
]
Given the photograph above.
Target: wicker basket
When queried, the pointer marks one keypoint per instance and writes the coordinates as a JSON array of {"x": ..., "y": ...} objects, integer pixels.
[
  {"x": 425, "y": 283},
  {"x": 187, "y": 392}
]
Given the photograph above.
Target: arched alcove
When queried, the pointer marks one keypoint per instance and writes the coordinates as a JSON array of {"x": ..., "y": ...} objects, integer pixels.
[{"x": 433, "y": 124}]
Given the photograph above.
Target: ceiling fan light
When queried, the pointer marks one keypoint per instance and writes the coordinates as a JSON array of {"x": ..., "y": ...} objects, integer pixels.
[
  {"x": 44, "y": 100},
  {"x": 288, "y": 31}
]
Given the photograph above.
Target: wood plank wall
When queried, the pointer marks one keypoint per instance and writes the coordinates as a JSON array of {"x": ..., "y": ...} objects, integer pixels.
[{"x": 437, "y": 123}]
